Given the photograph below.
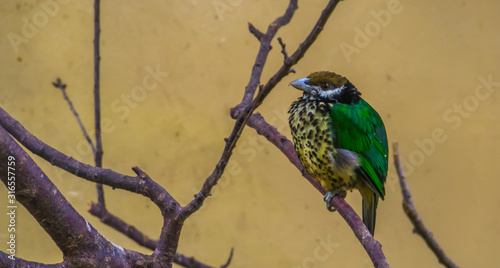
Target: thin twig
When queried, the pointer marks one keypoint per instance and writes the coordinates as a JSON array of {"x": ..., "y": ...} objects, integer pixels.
[
  {"x": 97, "y": 97},
  {"x": 283, "y": 48},
  {"x": 285, "y": 54},
  {"x": 258, "y": 34},
  {"x": 412, "y": 214},
  {"x": 229, "y": 259},
  {"x": 59, "y": 84}
]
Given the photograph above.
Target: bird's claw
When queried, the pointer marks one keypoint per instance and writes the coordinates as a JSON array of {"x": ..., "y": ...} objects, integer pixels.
[{"x": 328, "y": 199}]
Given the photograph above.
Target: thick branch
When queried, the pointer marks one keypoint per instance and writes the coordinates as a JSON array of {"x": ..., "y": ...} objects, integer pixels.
[
  {"x": 43, "y": 200},
  {"x": 141, "y": 184},
  {"x": 172, "y": 226},
  {"x": 17, "y": 262},
  {"x": 372, "y": 246},
  {"x": 412, "y": 214},
  {"x": 74, "y": 236}
]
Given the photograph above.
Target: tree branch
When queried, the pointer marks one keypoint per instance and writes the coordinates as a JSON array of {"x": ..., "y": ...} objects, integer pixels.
[
  {"x": 80, "y": 243},
  {"x": 17, "y": 262},
  {"x": 283, "y": 48},
  {"x": 141, "y": 184},
  {"x": 143, "y": 240},
  {"x": 144, "y": 186},
  {"x": 121, "y": 226},
  {"x": 260, "y": 61},
  {"x": 298, "y": 54},
  {"x": 258, "y": 34},
  {"x": 412, "y": 214},
  {"x": 245, "y": 110},
  {"x": 228, "y": 262},
  {"x": 59, "y": 84},
  {"x": 97, "y": 75},
  {"x": 97, "y": 97}
]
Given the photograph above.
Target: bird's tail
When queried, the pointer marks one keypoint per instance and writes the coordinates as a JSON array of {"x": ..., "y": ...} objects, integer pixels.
[{"x": 370, "y": 202}]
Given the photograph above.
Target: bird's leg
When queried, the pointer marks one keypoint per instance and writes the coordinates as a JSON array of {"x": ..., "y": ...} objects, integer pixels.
[{"x": 329, "y": 196}]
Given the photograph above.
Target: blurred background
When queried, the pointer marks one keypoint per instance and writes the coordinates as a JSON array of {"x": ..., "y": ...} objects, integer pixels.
[{"x": 171, "y": 70}]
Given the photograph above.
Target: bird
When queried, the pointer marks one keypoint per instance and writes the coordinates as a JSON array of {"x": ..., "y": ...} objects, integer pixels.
[{"x": 340, "y": 140}]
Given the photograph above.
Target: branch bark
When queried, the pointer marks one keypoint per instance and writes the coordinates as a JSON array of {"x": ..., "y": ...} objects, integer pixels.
[
  {"x": 80, "y": 243},
  {"x": 97, "y": 80},
  {"x": 141, "y": 184},
  {"x": 412, "y": 214},
  {"x": 97, "y": 98}
]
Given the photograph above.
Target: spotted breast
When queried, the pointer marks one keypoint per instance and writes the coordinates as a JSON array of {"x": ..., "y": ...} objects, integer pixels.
[{"x": 315, "y": 146}]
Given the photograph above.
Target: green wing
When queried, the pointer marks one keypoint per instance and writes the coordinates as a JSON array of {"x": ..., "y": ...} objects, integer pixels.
[{"x": 359, "y": 128}]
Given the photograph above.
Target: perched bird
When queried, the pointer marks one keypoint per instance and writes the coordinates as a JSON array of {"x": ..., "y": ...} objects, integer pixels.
[{"x": 340, "y": 139}]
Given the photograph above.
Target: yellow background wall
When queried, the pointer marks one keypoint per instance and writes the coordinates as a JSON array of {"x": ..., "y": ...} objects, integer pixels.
[{"x": 421, "y": 68}]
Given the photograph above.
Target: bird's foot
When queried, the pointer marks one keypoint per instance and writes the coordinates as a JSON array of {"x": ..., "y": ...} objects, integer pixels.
[{"x": 329, "y": 196}]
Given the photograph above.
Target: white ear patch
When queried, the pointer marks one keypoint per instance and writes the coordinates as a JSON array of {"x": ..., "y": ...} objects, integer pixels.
[{"x": 331, "y": 93}]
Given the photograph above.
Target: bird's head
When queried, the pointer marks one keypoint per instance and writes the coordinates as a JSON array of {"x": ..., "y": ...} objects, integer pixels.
[{"x": 328, "y": 87}]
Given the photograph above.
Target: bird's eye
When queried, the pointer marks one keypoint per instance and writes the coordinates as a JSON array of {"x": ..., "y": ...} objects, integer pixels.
[{"x": 325, "y": 86}]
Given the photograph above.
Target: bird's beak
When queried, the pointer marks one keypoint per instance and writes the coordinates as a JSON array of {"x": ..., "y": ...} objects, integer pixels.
[{"x": 302, "y": 84}]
